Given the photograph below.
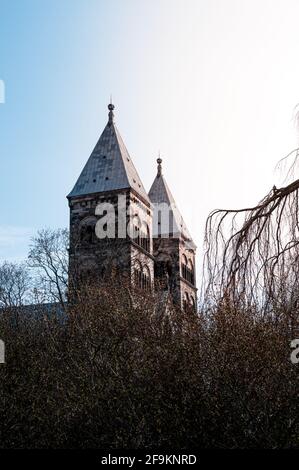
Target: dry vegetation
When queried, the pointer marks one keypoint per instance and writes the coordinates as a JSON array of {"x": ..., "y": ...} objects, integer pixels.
[
  {"x": 118, "y": 374},
  {"x": 114, "y": 372}
]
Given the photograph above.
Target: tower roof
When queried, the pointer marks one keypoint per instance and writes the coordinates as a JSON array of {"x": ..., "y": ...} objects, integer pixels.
[
  {"x": 109, "y": 166},
  {"x": 159, "y": 194}
]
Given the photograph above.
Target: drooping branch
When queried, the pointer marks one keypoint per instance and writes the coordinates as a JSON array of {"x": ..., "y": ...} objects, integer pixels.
[{"x": 252, "y": 254}]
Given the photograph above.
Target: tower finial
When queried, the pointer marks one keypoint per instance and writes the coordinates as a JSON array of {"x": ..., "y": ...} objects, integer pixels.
[
  {"x": 159, "y": 161},
  {"x": 111, "y": 108}
]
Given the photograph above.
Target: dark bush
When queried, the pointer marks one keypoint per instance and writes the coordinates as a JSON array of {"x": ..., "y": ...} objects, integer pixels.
[{"x": 123, "y": 374}]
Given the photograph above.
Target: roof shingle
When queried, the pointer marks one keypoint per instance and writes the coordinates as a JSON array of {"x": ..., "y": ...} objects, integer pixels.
[
  {"x": 109, "y": 167},
  {"x": 161, "y": 194}
]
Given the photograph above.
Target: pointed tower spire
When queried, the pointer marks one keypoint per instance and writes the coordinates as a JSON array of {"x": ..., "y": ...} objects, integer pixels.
[
  {"x": 159, "y": 161},
  {"x": 161, "y": 194},
  {"x": 111, "y": 113},
  {"x": 173, "y": 247},
  {"x": 109, "y": 166}
]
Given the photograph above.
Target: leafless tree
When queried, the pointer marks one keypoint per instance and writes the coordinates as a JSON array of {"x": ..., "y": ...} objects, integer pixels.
[
  {"x": 15, "y": 284},
  {"x": 48, "y": 257},
  {"x": 252, "y": 254}
]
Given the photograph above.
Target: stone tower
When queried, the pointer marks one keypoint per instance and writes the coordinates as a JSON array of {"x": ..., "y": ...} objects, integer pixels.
[
  {"x": 173, "y": 248},
  {"x": 110, "y": 216},
  {"x": 117, "y": 229}
]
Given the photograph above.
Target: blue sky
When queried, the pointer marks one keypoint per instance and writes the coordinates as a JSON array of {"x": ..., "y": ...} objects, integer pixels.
[{"x": 212, "y": 85}]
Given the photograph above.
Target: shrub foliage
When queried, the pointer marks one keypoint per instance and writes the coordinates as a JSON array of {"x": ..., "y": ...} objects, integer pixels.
[{"x": 117, "y": 373}]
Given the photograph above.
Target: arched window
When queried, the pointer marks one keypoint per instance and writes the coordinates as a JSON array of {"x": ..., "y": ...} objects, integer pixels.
[
  {"x": 184, "y": 267},
  {"x": 137, "y": 274},
  {"x": 190, "y": 271},
  {"x": 145, "y": 238},
  {"x": 187, "y": 270},
  {"x": 186, "y": 302},
  {"x": 142, "y": 236},
  {"x": 142, "y": 276},
  {"x": 146, "y": 278}
]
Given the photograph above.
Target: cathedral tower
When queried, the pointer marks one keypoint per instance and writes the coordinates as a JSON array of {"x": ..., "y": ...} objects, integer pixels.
[
  {"x": 110, "y": 216},
  {"x": 117, "y": 229},
  {"x": 173, "y": 247}
]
